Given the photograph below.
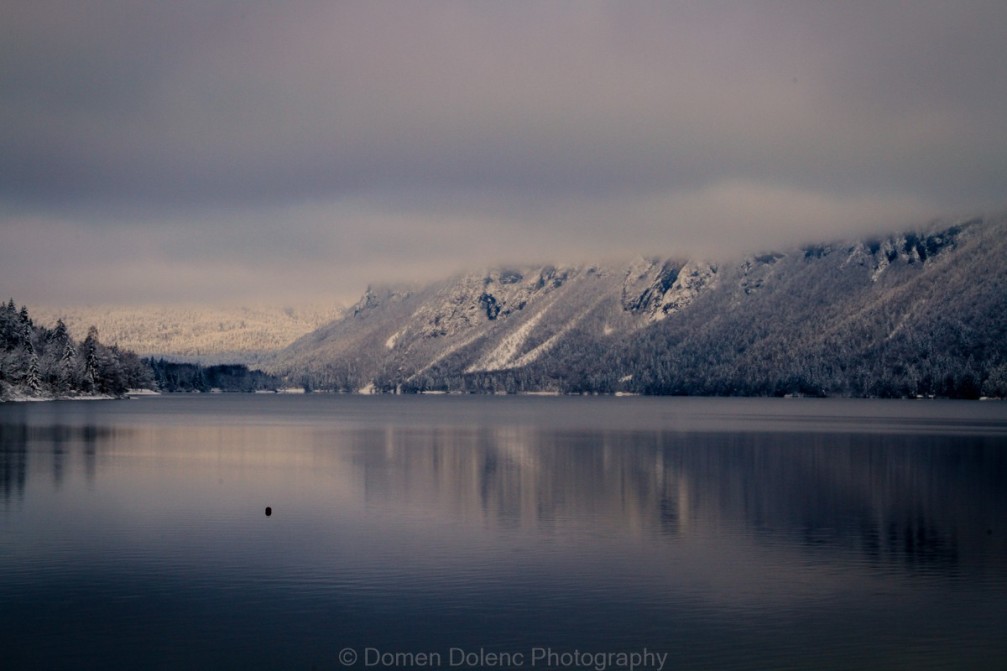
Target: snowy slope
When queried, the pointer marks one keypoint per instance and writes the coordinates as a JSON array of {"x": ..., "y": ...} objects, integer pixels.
[
  {"x": 193, "y": 333},
  {"x": 498, "y": 320},
  {"x": 798, "y": 320}
]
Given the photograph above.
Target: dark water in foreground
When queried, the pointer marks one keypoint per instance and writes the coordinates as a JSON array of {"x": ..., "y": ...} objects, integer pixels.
[{"x": 561, "y": 533}]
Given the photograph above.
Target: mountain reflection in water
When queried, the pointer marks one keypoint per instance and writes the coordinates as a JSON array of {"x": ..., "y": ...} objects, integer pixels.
[{"x": 730, "y": 533}]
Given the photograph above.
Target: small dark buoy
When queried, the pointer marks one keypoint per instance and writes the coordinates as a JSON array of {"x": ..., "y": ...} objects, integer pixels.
[
  {"x": 269, "y": 511},
  {"x": 989, "y": 532}
]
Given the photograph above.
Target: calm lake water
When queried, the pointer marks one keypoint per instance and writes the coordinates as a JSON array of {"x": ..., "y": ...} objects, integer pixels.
[{"x": 503, "y": 532}]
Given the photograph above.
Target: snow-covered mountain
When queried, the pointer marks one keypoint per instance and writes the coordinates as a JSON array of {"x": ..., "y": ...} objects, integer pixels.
[
  {"x": 193, "y": 333},
  {"x": 918, "y": 313},
  {"x": 500, "y": 320}
]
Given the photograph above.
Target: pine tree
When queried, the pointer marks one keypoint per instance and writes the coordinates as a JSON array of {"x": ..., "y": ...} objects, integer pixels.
[
  {"x": 91, "y": 359},
  {"x": 68, "y": 366},
  {"x": 59, "y": 334},
  {"x": 32, "y": 379},
  {"x": 26, "y": 335}
]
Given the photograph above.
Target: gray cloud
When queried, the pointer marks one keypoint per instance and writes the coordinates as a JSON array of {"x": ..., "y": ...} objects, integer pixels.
[{"x": 274, "y": 148}]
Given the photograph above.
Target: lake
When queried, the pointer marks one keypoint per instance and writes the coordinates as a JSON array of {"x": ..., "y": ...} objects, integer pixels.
[{"x": 503, "y": 532}]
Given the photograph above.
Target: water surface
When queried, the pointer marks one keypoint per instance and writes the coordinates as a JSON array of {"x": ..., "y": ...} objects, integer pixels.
[{"x": 423, "y": 532}]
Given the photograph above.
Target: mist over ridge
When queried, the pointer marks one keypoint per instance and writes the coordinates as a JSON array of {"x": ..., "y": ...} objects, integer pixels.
[{"x": 921, "y": 313}]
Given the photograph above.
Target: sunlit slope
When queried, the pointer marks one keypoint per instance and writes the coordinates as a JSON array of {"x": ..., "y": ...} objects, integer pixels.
[{"x": 193, "y": 333}]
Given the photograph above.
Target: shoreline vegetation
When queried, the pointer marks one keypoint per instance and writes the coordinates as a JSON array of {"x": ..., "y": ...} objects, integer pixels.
[{"x": 37, "y": 362}]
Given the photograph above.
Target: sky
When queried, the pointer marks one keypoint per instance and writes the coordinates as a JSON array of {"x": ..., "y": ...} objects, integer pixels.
[{"x": 236, "y": 151}]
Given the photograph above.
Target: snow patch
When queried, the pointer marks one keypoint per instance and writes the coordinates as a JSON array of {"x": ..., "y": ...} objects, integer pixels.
[
  {"x": 392, "y": 339},
  {"x": 504, "y": 354},
  {"x": 532, "y": 355},
  {"x": 21, "y": 398},
  {"x": 886, "y": 253},
  {"x": 446, "y": 352}
]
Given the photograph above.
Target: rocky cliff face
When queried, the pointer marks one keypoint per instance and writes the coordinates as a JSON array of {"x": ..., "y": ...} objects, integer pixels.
[{"x": 796, "y": 321}]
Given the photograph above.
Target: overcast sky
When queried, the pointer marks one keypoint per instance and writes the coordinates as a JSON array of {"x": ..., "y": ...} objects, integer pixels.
[{"x": 243, "y": 151}]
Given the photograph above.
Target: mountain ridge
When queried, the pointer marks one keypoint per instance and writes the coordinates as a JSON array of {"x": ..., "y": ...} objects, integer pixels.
[{"x": 856, "y": 317}]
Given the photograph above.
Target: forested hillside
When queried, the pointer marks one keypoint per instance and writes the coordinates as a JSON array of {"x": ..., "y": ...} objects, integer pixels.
[
  {"x": 921, "y": 313},
  {"x": 41, "y": 362},
  {"x": 913, "y": 315},
  {"x": 173, "y": 377}
]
